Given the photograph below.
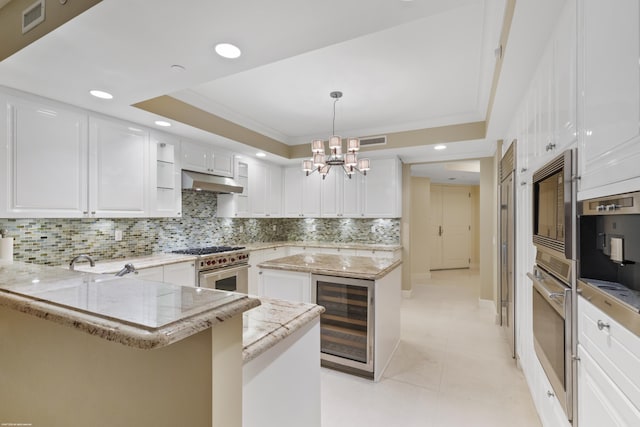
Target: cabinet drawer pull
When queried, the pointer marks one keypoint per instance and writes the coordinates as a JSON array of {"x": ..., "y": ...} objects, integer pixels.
[
  {"x": 550, "y": 394},
  {"x": 602, "y": 325}
]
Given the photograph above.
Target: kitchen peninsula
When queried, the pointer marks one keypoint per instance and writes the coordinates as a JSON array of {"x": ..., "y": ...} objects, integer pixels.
[
  {"x": 83, "y": 349},
  {"x": 360, "y": 328}
]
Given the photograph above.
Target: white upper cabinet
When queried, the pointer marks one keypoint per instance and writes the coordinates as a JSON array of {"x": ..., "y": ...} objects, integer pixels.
[
  {"x": 265, "y": 194},
  {"x": 301, "y": 193},
  {"x": 44, "y": 160},
  {"x": 382, "y": 189},
  {"x": 236, "y": 205},
  {"x": 206, "y": 159},
  {"x": 609, "y": 102},
  {"x": 119, "y": 169},
  {"x": 165, "y": 186},
  {"x": 341, "y": 195}
]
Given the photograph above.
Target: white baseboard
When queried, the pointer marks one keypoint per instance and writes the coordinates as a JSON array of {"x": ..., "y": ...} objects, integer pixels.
[
  {"x": 490, "y": 304},
  {"x": 407, "y": 294}
]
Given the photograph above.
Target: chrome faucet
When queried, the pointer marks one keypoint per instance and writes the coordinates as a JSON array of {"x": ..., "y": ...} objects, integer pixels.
[
  {"x": 128, "y": 268},
  {"x": 72, "y": 264}
]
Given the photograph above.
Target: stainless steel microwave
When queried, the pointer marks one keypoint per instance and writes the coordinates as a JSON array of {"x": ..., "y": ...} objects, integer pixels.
[{"x": 552, "y": 206}]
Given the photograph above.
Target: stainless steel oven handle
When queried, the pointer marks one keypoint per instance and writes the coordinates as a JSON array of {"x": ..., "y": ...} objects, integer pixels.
[
  {"x": 224, "y": 270},
  {"x": 554, "y": 298}
]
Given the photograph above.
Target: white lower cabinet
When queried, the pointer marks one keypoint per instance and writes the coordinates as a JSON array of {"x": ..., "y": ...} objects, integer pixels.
[
  {"x": 180, "y": 273},
  {"x": 608, "y": 370},
  {"x": 260, "y": 256},
  {"x": 286, "y": 285},
  {"x": 155, "y": 274},
  {"x": 601, "y": 402}
]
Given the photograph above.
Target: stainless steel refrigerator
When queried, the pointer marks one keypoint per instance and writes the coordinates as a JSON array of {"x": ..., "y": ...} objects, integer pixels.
[{"x": 507, "y": 245}]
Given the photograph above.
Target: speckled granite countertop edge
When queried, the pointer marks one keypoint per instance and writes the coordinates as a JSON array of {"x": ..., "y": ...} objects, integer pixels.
[
  {"x": 278, "y": 330},
  {"x": 129, "y": 335}
]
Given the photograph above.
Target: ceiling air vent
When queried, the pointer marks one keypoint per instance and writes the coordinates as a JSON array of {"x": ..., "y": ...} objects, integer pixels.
[
  {"x": 373, "y": 140},
  {"x": 32, "y": 16}
]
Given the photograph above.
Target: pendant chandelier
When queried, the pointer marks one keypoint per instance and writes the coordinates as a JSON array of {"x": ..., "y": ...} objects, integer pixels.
[{"x": 348, "y": 162}]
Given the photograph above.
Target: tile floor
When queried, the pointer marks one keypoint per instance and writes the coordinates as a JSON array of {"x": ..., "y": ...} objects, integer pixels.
[{"x": 452, "y": 368}]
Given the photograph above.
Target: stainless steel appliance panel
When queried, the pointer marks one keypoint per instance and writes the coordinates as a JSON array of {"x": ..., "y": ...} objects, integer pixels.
[
  {"x": 552, "y": 332},
  {"x": 507, "y": 246},
  {"x": 347, "y": 325},
  {"x": 235, "y": 279}
]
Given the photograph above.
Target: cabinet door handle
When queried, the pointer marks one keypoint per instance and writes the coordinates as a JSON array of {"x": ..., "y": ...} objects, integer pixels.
[
  {"x": 602, "y": 325},
  {"x": 439, "y": 230},
  {"x": 550, "y": 394}
]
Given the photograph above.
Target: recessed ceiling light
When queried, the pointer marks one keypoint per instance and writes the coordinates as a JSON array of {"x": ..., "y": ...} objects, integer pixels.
[
  {"x": 440, "y": 147},
  {"x": 227, "y": 50},
  {"x": 261, "y": 154},
  {"x": 162, "y": 123},
  {"x": 101, "y": 94}
]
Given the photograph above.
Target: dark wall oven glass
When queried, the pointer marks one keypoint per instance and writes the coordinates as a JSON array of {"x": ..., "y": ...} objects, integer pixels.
[{"x": 552, "y": 205}]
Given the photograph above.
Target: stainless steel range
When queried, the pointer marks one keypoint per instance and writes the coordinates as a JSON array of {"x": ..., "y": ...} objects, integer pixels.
[{"x": 221, "y": 267}]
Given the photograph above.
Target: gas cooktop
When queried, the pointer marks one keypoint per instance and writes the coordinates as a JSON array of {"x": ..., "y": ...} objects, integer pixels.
[{"x": 208, "y": 250}]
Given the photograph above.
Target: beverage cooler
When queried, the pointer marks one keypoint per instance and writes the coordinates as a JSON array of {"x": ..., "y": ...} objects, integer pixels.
[{"x": 346, "y": 327}]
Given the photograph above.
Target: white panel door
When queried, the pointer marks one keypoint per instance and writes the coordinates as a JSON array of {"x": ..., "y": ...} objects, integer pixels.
[
  {"x": 180, "y": 273},
  {"x": 222, "y": 163},
  {"x": 311, "y": 195},
  {"x": 609, "y": 82},
  {"x": 601, "y": 402},
  {"x": 274, "y": 194},
  {"x": 293, "y": 179},
  {"x": 195, "y": 157},
  {"x": 450, "y": 226},
  {"x": 435, "y": 227},
  {"x": 351, "y": 196},
  {"x": 381, "y": 189},
  {"x": 331, "y": 194},
  {"x": 286, "y": 285},
  {"x": 258, "y": 183},
  {"x": 46, "y": 165},
  {"x": 119, "y": 169}
]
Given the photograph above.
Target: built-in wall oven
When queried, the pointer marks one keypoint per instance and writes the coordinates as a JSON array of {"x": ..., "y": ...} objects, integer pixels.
[
  {"x": 221, "y": 267},
  {"x": 553, "y": 277}
]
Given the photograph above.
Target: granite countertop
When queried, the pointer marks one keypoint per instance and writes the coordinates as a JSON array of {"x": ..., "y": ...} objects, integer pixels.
[
  {"x": 362, "y": 246},
  {"x": 359, "y": 267},
  {"x": 273, "y": 321},
  {"x": 112, "y": 266},
  {"x": 133, "y": 312}
]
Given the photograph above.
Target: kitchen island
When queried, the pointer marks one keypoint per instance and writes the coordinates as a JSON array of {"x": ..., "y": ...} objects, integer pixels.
[
  {"x": 281, "y": 372},
  {"x": 82, "y": 349},
  {"x": 360, "y": 328}
]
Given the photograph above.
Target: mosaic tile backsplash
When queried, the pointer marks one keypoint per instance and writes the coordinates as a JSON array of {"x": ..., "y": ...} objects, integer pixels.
[{"x": 56, "y": 241}]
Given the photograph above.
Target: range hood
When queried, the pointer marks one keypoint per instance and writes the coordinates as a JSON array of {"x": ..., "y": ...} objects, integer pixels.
[{"x": 212, "y": 183}]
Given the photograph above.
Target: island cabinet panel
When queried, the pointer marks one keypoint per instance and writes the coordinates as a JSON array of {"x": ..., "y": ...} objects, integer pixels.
[
  {"x": 286, "y": 285},
  {"x": 609, "y": 102},
  {"x": 281, "y": 387},
  {"x": 44, "y": 166}
]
